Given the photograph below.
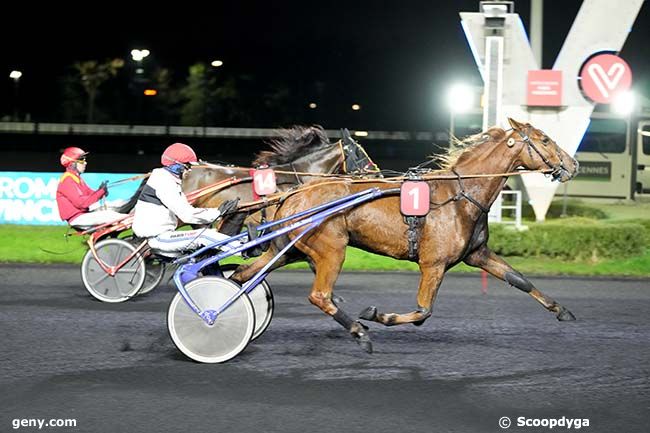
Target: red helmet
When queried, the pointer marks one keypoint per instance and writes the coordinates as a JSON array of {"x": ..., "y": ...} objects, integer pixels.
[
  {"x": 72, "y": 154},
  {"x": 178, "y": 153}
]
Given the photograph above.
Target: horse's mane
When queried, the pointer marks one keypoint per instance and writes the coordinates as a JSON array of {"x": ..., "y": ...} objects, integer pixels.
[
  {"x": 292, "y": 144},
  {"x": 462, "y": 148}
]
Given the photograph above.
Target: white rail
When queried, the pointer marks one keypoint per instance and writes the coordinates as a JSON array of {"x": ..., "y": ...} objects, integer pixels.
[
  {"x": 512, "y": 202},
  {"x": 191, "y": 131}
]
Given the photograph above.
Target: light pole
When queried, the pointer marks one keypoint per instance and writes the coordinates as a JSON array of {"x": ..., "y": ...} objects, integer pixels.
[
  {"x": 356, "y": 118},
  {"x": 206, "y": 81},
  {"x": 139, "y": 80},
  {"x": 460, "y": 99},
  {"x": 139, "y": 55},
  {"x": 624, "y": 104},
  {"x": 15, "y": 75}
]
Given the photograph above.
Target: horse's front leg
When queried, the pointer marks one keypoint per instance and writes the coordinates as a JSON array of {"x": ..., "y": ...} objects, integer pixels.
[
  {"x": 326, "y": 262},
  {"x": 487, "y": 260},
  {"x": 429, "y": 283}
]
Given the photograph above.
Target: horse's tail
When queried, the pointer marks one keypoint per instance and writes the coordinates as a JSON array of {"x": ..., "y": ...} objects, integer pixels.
[{"x": 130, "y": 204}]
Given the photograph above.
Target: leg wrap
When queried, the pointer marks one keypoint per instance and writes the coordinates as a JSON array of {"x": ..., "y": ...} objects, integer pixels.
[
  {"x": 343, "y": 319},
  {"x": 519, "y": 281}
]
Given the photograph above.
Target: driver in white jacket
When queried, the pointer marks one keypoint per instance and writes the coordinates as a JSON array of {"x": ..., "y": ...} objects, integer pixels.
[{"x": 162, "y": 204}]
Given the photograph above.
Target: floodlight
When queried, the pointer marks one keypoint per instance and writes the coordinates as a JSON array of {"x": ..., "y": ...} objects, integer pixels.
[
  {"x": 623, "y": 103},
  {"x": 460, "y": 98}
]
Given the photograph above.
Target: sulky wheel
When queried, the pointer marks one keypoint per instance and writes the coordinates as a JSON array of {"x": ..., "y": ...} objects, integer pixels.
[
  {"x": 262, "y": 299},
  {"x": 126, "y": 282},
  {"x": 154, "y": 273},
  {"x": 226, "y": 337}
]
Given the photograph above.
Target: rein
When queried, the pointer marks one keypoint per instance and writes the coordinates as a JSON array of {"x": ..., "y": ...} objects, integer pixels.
[
  {"x": 275, "y": 198},
  {"x": 431, "y": 175},
  {"x": 130, "y": 179}
]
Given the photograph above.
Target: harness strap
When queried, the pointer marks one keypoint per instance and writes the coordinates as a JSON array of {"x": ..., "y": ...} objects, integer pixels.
[
  {"x": 415, "y": 224},
  {"x": 295, "y": 173},
  {"x": 525, "y": 137},
  {"x": 463, "y": 194},
  {"x": 263, "y": 213}
]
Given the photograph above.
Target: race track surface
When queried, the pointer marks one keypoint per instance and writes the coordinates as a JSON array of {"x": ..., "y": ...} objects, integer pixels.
[{"x": 480, "y": 357}]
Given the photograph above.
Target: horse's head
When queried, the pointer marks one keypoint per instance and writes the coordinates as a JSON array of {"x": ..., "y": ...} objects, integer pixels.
[
  {"x": 307, "y": 149},
  {"x": 539, "y": 152},
  {"x": 355, "y": 157}
]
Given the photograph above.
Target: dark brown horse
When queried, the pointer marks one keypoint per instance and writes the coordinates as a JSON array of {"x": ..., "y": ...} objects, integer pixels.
[
  {"x": 454, "y": 231},
  {"x": 296, "y": 150}
]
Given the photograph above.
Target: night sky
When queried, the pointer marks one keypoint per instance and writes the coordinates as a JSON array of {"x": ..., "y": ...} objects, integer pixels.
[{"x": 395, "y": 58}]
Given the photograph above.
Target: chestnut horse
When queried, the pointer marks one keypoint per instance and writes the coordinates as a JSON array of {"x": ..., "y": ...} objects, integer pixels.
[{"x": 455, "y": 230}]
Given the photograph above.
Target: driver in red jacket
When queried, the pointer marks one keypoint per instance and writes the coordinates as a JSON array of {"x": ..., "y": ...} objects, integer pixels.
[{"x": 74, "y": 197}]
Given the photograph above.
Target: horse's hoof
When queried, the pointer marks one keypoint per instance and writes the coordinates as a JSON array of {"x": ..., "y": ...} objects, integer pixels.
[
  {"x": 252, "y": 252},
  {"x": 337, "y": 299},
  {"x": 369, "y": 313},
  {"x": 366, "y": 345},
  {"x": 360, "y": 333},
  {"x": 419, "y": 322},
  {"x": 565, "y": 315}
]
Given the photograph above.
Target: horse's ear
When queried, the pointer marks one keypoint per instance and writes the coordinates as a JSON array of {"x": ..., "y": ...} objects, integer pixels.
[{"x": 515, "y": 125}]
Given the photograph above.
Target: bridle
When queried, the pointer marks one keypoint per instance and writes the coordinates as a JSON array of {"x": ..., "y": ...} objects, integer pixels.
[
  {"x": 353, "y": 163},
  {"x": 557, "y": 170}
]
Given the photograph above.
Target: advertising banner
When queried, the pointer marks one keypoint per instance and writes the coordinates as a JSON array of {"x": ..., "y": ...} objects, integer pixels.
[
  {"x": 595, "y": 170},
  {"x": 30, "y": 197}
]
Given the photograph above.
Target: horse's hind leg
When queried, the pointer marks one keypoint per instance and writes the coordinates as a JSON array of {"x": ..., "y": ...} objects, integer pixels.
[
  {"x": 429, "y": 283},
  {"x": 487, "y": 260}
]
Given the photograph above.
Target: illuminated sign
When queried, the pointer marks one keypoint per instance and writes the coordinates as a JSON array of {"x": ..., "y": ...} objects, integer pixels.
[
  {"x": 544, "y": 88},
  {"x": 603, "y": 76}
]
